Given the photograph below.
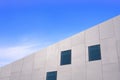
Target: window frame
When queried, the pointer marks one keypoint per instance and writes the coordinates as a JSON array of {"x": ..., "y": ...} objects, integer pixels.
[
  {"x": 51, "y": 74},
  {"x": 93, "y": 55},
  {"x": 64, "y": 55}
]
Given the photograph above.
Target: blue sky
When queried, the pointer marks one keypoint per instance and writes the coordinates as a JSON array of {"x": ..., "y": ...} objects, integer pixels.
[{"x": 29, "y": 25}]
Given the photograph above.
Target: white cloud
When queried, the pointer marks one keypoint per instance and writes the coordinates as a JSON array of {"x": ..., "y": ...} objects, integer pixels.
[
  {"x": 25, "y": 46},
  {"x": 12, "y": 53}
]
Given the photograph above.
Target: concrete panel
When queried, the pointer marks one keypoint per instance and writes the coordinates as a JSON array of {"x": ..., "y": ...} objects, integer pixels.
[
  {"x": 15, "y": 76},
  {"x": 26, "y": 77},
  {"x": 78, "y": 39},
  {"x": 118, "y": 48},
  {"x": 65, "y": 68},
  {"x": 64, "y": 74},
  {"x": 111, "y": 72},
  {"x": 117, "y": 28},
  {"x": 52, "y": 58},
  {"x": 119, "y": 63},
  {"x": 40, "y": 59},
  {"x": 107, "y": 29},
  {"x": 59, "y": 58},
  {"x": 118, "y": 17},
  {"x": 94, "y": 70},
  {"x": 78, "y": 54},
  {"x": 112, "y": 67},
  {"x": 38, "y": 74},
  {"x": 17, "y": 66},
  {"x": 6, "y": 78},
  {"x": 92, "y": 35},
  {"x": 79, "y": 72},
  {"x": 28, "y": 64},
  {"x": 108, "y": 51},
  {"x": 65, "y": 44},
  {"x": 0, "y": 72},
  {"x": 6, "y": 71}
]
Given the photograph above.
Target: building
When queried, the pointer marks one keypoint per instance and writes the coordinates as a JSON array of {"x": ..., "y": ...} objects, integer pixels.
[{"x": 93, "y": 54}]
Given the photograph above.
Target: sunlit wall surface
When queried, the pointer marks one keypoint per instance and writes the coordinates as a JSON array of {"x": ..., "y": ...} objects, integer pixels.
[{"x": 93, "y": 54}]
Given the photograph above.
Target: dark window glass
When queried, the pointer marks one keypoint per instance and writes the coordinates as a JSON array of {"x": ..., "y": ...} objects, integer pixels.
[
  {"x": 65, "y": 57},
  {"x": 51, "y": 75},
  {"x": 94, "y": 52}
]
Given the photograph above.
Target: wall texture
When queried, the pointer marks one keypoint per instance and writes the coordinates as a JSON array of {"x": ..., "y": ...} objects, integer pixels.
[{"x": 35, "y": 66}]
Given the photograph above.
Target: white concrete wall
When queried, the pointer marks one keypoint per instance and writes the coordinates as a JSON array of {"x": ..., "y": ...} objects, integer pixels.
[{"x": 35, "y": 66}]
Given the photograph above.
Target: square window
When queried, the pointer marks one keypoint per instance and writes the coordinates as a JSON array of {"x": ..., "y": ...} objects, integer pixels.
[
  {"x": 94, "y": 52},
  {"x": 65, "y": 57},
  {"x": 51, "y": 75}
]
